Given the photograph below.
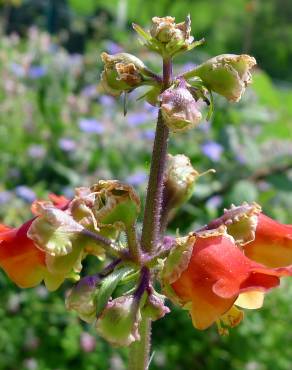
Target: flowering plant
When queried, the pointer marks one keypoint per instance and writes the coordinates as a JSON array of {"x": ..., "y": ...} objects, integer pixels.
[{"x": 229, "y": 263}]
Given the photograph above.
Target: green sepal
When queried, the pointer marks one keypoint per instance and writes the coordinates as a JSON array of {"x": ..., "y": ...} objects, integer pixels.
[
  {"x": 154, "y": 307},
  {"x": 54, "y": 230},
  {"x": 65, "y": 264},
  {"x": 115, "y": 204},
  {"x": 145, "y": 35},
  {"x": 178, "y": 259},
  {"x": 108, "y": 286},
  {"x": 119, "y": 321},
  {"x": 82, "y": 298},
  {"x": 241, "y": 222},
  {"x": 227, "y": 74}
]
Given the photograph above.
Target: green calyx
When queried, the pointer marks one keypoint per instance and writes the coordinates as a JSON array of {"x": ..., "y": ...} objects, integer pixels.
[
  {"x": 227, "y": 74},
  {"x": 115, "y": 203},
  {"x": 124, "y": 72},
  {"x": 119, "y": 322},
  {"x": 167, "y": 37}
]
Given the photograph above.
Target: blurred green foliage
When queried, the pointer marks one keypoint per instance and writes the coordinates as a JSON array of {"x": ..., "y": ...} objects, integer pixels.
[
  {"x": 261, "y": 28},
  {"x": 58, "y": 131}
]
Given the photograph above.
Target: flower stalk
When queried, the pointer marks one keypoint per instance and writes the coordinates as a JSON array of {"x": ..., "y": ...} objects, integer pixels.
[
  {"x": 133, "y": 243},
  {"x": 140, "y": 350},
  {"x": 229, "y": 262},
  {"x": 151, "y": 224}
]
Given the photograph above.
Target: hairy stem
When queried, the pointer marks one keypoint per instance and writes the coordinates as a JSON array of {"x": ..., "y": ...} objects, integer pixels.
[
  {"x": 108, "y": 244},
  {"x": 151, "y": 223},
  {"x": 139, "y": 351},
  {"x": 133, "y": 244}
]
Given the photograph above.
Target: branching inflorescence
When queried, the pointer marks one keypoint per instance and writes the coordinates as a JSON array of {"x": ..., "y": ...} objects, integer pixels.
[{"x": 212, "y": 272}]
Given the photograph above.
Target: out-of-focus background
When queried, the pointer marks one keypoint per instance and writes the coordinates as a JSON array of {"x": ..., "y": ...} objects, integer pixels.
[{"x": 58, "y": 130}]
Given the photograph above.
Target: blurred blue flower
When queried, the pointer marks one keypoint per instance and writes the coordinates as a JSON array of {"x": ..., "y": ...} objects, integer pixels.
[
  {"x": 240, "y": 158},
  {"x": 113, "y": 48},
  {"x": 187, "y": 67},
  {"x": 5, "y": 197},
  {"x": 36, "y": 151},
  {"x": 106, "y": 100},
  {"x": 53, "y": 48},
  {"x": 76, "y": 59},
  {"x": 151, "y": 109},
  {"x": 68, "y": 192},
  {"x": 25, "y": 193},
  {"x": 264, "y": 186},
  {"x": 89, "y": 91},
  {"x": 66, "y": 144},
  {"x": 204, "y": 126},
  {"x": 91, "y": 126},
  {"x": 214, "y": 202},
  {"x": 36, "y": 72},
  {"x": 137, "y": 118},
  {"x": 17, "y": 69},
  {"x": 212, "y": 150},
  {"x": 148, "y": 134},
  {"x": 137, "y": 178}
]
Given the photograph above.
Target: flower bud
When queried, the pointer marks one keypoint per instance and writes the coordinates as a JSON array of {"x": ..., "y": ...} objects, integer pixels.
[
  {"x": 115, "y": 203},
  {"x": 81, "y": 208},
  {"x": 174, "y": 36},
  {"x": 81, "y": 298},
  {"x": 179, "y": 179},
  {"x": 119, "y": 321},
  {"x": 179, "y": 108},
  {"x": 167, "y": 37},
  {"x": 154, "y": 307},
  {"x": 122, "y": 72},
  {"x": 226, "y": 74},
  {"x": 179, "y": 182}
]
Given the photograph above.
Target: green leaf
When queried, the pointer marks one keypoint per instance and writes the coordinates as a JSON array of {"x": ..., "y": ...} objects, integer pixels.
[
  {"x": 141, "y": 32},
  {"x": 108, "y": 286}
]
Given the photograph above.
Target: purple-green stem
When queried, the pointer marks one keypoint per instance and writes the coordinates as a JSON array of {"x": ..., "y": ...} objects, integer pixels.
[
  {"x": 133, "y": 243},
  {"x": 152, "y": 213},
  {"x": 140, "y": 350},
  {"x": 108, "y": 244}
]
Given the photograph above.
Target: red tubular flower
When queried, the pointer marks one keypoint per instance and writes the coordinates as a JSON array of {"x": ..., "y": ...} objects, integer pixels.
[
  {"x": 262, "y": 239},
  {"x": 207, "y": 273},
  {"x": 22, "y": 261},
  {"x": 20, "y": 258},
  {"x": 272, "y": 245}
]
